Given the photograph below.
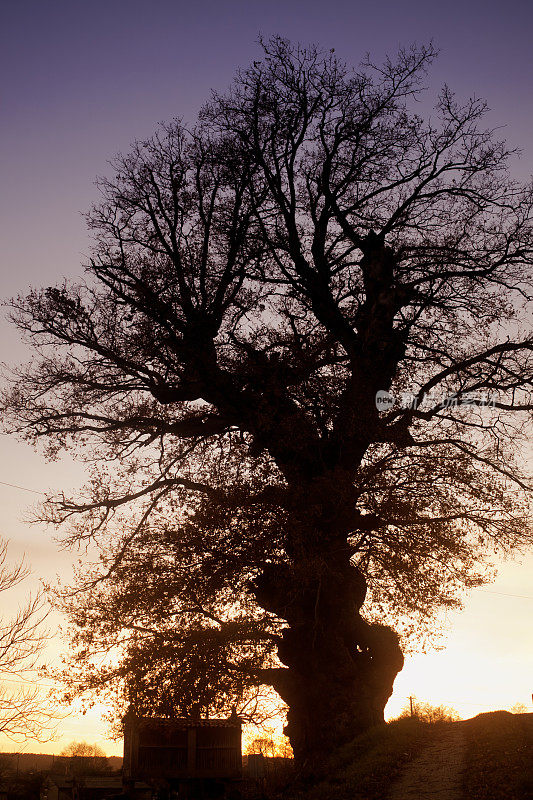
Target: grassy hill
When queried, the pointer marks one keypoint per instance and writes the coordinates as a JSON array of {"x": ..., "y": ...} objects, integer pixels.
[
  {"x": 496, "y": 760},
  {"x": 499, "y": 757}
]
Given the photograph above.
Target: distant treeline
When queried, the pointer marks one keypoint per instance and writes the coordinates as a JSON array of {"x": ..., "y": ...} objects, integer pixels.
[{"x": 42, "y": 762}]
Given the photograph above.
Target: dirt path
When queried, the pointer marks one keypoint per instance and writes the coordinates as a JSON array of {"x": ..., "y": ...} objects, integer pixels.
[{"x": 436, "y": 774}]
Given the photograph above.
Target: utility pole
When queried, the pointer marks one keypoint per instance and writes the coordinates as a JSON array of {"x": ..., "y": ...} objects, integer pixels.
[{"x": 411, "y": 703}]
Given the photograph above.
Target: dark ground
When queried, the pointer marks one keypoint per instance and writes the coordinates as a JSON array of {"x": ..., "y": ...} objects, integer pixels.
[{"x": 489, "y": 757}]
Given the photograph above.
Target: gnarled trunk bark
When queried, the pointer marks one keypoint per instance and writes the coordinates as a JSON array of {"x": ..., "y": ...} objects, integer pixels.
[{"x": 340, "y": 669}]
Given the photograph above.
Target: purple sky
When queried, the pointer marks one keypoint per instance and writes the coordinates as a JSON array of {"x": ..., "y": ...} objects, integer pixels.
[{"x": 82, "y": 79}]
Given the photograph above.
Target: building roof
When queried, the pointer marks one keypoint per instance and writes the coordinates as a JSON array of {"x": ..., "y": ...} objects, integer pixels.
[{"x": 185, "y": 722}]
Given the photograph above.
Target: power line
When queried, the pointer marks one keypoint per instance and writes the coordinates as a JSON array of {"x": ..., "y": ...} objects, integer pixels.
[
  {"x": 23, "y": 488},
  {"x": 507, "y": 594},
  {"x": 23, "y": 682},
  {"x": 452, "y": 702}
]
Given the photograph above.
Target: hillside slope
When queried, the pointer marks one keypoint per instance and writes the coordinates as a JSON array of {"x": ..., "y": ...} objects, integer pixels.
[
  {"x": 489, "y": 757},
  {"x": 499, "y": 757}
]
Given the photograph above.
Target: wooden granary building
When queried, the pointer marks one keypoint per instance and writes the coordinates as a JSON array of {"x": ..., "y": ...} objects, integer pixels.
[{"x": 180, "y": 754}]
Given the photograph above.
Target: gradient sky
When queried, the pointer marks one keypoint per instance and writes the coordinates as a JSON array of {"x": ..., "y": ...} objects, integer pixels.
[{"x": 81, "y": 80}]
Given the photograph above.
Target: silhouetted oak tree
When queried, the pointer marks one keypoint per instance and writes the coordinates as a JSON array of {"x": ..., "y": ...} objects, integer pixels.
[{"x": 255, "y": 282}]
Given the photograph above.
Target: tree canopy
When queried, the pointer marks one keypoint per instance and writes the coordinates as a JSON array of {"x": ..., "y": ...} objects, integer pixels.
[{"x": 259, "y": 282}]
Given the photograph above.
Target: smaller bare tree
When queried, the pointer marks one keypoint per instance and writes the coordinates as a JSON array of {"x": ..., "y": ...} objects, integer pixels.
[
  {"x": 426, "y": 712},
  {"x": 82, "y": 758},
  {"x": 518, "y": 708},
  {"x": 24, "y": 713},
  {"x": 270, "y": 745}
]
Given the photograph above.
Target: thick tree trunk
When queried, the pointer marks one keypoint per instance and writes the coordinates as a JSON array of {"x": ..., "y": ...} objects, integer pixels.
[
  {"x": 339, "y": 670},
  {"x": 337, "y": 695}
]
